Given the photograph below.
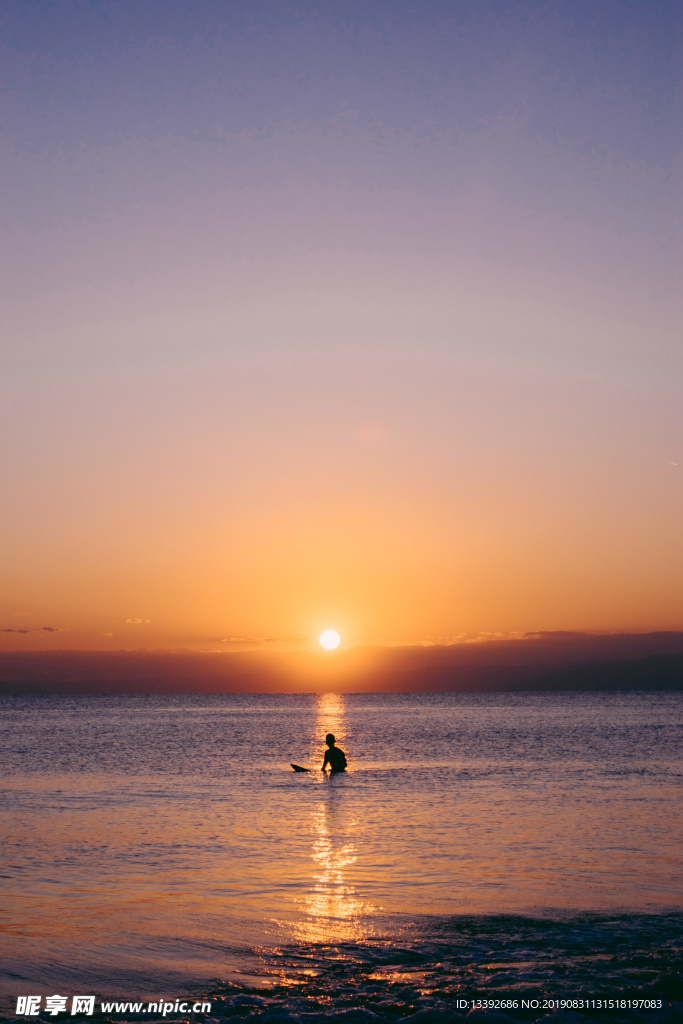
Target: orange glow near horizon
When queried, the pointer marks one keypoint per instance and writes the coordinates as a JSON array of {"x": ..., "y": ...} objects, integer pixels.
[{"x": 410, "y": 570}]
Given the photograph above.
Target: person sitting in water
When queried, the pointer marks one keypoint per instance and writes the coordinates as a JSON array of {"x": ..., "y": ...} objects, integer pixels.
[{"x": 334, "y": 756}]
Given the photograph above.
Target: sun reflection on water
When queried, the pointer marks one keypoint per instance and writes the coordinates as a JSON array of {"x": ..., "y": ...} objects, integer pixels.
[
  {"x": 333, "y": 910},
  {"x": 333, "y": 902}
]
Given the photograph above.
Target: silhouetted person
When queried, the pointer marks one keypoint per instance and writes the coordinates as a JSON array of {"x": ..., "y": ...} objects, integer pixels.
[{"x": 334, "y": 756}]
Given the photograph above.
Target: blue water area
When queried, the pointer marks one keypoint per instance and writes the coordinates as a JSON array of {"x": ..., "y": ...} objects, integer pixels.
[{"x": 479, "y": 846}]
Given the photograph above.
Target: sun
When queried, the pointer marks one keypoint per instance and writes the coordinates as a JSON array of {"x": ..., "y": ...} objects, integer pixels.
[{"x": 329, "y": 639}]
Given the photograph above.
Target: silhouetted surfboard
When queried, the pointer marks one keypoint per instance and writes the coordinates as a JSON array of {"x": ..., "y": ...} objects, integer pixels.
[{"x": 298, "y": 768}]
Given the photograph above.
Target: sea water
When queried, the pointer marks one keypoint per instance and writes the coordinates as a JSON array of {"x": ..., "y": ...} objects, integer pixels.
[{"x": 479, "y": 844}]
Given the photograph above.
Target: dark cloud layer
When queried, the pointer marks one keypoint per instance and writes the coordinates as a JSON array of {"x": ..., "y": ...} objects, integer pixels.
[{"x": 543, "y": 661}]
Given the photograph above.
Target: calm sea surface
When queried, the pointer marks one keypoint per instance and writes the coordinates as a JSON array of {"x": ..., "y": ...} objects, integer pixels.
[{"x": 155, "y": 846}]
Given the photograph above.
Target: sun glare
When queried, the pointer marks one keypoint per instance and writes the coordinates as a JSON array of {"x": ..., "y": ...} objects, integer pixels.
[{"x": 329, "y": 639}]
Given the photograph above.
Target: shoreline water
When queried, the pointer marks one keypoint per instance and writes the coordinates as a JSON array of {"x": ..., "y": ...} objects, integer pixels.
[
  {"x": 442, "y": 965},
  {"x": 448, "y": 969}
]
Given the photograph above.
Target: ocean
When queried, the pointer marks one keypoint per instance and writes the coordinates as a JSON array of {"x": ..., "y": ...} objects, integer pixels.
[{"x": 481, "y": 850}]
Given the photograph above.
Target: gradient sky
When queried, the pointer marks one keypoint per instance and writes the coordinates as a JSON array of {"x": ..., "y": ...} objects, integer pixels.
[{"x": 339, "y": 314}]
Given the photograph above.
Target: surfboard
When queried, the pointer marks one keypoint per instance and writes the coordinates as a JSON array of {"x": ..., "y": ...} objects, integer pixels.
[{"x": 298, "y": 768}]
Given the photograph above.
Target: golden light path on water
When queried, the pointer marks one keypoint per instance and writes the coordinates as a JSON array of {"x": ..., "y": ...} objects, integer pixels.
[{"x": 332, "y": 907}]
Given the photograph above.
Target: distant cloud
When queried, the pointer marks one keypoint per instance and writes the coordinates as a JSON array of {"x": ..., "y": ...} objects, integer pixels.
[
  {"x": 261, "y": 641},
  {"x": 461, "y": 638},
  {"x": 32, "y": 629},
  {"x": 248, "y": 640},
  {"x": 139, "y": 621}
]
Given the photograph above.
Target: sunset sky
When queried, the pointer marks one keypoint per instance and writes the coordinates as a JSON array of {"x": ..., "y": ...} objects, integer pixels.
[{"x": 360, "y": 316}]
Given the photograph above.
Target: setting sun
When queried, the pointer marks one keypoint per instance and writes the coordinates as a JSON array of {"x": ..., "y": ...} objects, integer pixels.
[{"x": 329, "y": 639}]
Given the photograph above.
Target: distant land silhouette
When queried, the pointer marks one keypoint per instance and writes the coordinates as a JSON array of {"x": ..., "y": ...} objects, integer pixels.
[{"x": 539, "y": 661}]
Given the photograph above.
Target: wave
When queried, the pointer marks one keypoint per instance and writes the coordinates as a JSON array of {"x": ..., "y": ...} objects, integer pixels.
[{"x": 451, "y": 968}]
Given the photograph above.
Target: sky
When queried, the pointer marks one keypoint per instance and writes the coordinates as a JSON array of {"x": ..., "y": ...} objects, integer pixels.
[{"x": 361, "y": 316}]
